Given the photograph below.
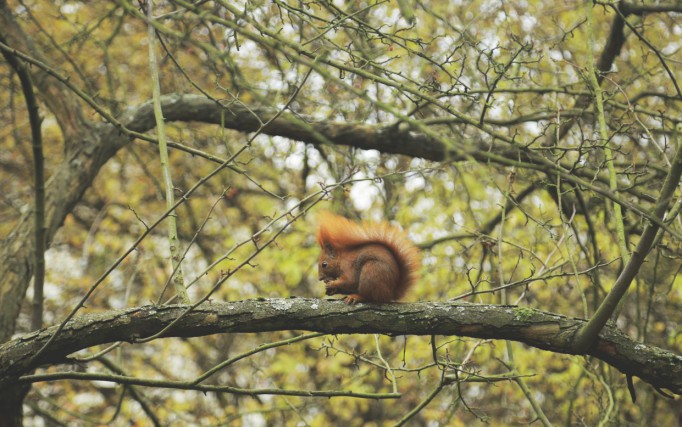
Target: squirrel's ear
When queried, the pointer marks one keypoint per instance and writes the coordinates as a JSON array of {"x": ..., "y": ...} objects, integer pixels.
[{"x": 329, "y": 249}]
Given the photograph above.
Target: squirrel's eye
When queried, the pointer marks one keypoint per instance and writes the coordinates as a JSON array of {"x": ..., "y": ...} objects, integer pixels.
[{"x": 324, "y": 264}]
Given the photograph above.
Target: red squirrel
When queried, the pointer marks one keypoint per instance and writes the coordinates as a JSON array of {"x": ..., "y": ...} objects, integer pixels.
[{"x": 373, "y": 262}]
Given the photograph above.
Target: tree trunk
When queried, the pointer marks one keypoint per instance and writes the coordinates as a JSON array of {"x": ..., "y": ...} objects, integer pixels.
[{"x": 11, "y": 403}]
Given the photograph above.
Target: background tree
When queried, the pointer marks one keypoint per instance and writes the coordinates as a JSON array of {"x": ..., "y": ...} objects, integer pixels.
[{"x": 530, "y": 149}]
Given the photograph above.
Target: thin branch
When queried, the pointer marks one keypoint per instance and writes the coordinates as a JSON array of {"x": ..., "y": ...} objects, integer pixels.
[
  {"x": 423, "y": 403},
  {"x": 625, "y": 9},
  {"x": 518, "y": 379},
  {"x": 187, "y": 385},
  {"x": 134, "y": 393},
  {"x": 258, "y": 349}
]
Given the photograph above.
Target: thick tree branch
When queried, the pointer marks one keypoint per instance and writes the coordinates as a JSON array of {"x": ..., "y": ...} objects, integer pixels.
[
  {"x": 386, "y": 139},
  {"x": 547, "y": 331}
]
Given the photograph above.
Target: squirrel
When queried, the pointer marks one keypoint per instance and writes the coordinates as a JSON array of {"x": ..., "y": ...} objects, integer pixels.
[{"x": 373, "y": 262}]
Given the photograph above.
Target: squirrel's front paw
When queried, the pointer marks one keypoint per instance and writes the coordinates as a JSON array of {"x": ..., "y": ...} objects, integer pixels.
[{"x": 330, "y": 289}]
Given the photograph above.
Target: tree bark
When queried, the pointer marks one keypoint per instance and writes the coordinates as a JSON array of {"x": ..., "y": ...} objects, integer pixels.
[{"x": 547, "y": 331}]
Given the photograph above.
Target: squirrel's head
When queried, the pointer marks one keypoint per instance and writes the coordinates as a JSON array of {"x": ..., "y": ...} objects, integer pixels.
[{"x": 327, "y": 265}]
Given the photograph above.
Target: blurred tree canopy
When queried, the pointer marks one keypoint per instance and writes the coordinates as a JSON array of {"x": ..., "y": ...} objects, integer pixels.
[{"x": 163, "y": 163}]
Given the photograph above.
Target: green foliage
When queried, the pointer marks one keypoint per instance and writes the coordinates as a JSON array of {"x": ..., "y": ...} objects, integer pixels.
[{"x": 492, "y": 82}]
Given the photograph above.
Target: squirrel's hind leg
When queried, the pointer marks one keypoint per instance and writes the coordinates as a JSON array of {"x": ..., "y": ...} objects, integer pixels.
[{"x": 377, "y": 282}]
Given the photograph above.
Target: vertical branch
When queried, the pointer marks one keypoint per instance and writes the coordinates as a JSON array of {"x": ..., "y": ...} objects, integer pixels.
[
  {"x": 589, "y": 332},
  {"x": 594, "y": 82},
  {"x": 39, "y": 184},
  {"x": 174, "y": 241}
]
